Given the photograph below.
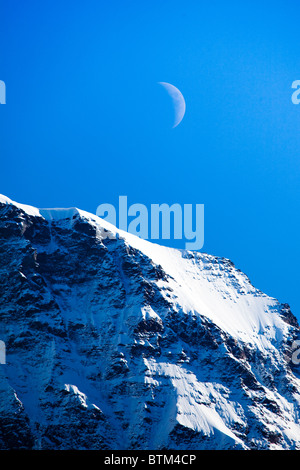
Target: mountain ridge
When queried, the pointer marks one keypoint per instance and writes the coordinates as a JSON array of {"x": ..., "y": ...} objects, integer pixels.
[{"x": 114, "y": 342}]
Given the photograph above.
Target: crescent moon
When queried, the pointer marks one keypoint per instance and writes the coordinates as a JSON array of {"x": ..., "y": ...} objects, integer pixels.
[{"x": 178, "y": 101}]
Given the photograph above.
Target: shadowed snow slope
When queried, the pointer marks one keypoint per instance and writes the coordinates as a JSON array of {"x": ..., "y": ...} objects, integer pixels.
[{"x": 113, "y": 342}]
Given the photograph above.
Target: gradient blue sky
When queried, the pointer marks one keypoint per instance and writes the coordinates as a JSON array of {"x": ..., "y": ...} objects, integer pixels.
[{"x": 85, "y": 120}]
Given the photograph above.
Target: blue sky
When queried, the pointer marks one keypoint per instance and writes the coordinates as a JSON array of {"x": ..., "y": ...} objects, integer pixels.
[{"x": 85, "y": 120}]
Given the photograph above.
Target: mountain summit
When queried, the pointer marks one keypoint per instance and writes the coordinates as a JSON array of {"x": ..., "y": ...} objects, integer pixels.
[{"x": 113, "y": 342}]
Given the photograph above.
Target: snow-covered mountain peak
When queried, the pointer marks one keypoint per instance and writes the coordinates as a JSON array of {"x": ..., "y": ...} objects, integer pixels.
[{"x": 138, "y": 344}]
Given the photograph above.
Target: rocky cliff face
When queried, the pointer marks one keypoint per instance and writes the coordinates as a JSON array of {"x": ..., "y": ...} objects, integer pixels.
[{"x": 113, "y": 342}]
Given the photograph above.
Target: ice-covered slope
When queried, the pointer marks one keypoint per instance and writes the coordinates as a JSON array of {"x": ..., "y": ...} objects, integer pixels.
[{"x": 115, "y": 342}]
